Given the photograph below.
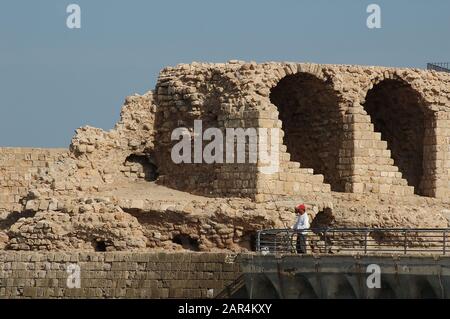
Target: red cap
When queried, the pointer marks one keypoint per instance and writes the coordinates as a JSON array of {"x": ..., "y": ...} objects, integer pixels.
[{"x": 301, "y": 207}]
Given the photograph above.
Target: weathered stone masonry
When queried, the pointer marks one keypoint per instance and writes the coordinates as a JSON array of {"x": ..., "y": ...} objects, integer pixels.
[
  {"x": 357, "y": 145},
  {"x": 19, "y": 169},
  {"x": 116, "y": 275},
  {"x": 344, "y": 128},
  {"x": 357, "y": 129}
]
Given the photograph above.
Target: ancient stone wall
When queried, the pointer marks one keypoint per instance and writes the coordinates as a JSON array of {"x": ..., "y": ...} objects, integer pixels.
[
  {"x": 346, "y": 128},
  {"x": 206, "y": 93},
  {"x": 116, "y": 275},
  {"x": 19, "y": 169},
  {"x": 351, "y": 139},
  {"x": 366, "y": 130},
  {"x": 99, "y": 158}
]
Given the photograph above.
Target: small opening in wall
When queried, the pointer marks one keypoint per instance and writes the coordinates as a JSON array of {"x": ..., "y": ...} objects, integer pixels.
[
  {"x": 248, "y": 241},
  {"x": 100, "y": 246},
  {"x": 141, "y": 166},
  {"x": 323, "y": 219},
  {"x": 186, "y": 242}
]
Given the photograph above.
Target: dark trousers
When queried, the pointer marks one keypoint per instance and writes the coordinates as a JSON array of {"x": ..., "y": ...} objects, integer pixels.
[{"x": 301, "y": 243}]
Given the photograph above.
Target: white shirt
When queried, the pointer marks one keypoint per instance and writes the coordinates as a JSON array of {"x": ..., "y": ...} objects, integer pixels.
[{"x": 302, "y": 222}]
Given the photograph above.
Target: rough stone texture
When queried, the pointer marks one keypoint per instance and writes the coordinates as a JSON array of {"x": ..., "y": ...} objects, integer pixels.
[
  {"x": 116, "y": 275},
  {"x": 19, "y": 169},
  {"x": 243, "y": 94},
  {"x": 368, "y": 145},
  {"x": 87, "y": 225}
]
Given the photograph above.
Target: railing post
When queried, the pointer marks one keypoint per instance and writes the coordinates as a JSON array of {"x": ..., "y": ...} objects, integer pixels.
[
  {"x": 288, "y": 243},
  {"x": 293, "y": 247},
  {"x": 405, "y": 243},
  {"x": 275, "y": 248},
  {"x": 258, "y": 241},
  {"x": 365, "y": 241},
  {"x": 444, "y": 243},
  {"x": 325, "y": 238}
]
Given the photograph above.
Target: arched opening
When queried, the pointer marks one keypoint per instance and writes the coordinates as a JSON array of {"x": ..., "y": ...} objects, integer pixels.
[
  {"x": 398, "y": 113},
  {"x": 387, "y": 291},
  {"x": 305, "y": 289},
  {"x": 339, "y": 287},
  {"x": 99, "y": 245},
  {"x": 139, "y": 166},
  {"x": 323, "y": 219},
  {"x": 263, "y": 288},
  {"x": 312, "y": 124},
  {"x": 425, "y": 289},
  {"x": 248, "y": 240},
  {"x": 186, "y": 242}
]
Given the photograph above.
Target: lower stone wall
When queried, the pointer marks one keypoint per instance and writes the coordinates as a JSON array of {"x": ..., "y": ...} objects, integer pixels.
[
  {"x": 115, "y": 275},
  {"x": 18, "y": 168}
]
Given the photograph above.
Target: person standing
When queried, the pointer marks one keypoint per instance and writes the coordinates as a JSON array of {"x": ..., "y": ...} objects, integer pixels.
[{"x": 300, "y": 227}]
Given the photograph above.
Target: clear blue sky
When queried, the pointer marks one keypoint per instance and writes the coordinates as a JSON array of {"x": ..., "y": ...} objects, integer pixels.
[{"x": 53, "y": 79}]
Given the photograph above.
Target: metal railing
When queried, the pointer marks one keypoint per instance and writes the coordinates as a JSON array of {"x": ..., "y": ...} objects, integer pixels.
[
  {"x": 356, "y": 241},
  {"x": 439, "y": 66}
]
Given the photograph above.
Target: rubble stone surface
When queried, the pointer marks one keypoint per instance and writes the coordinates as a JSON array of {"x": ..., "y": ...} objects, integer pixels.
[{"x": 361, "y": 146}]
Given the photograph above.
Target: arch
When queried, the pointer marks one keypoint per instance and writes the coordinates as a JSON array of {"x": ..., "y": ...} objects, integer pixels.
[
  {"x": 426, "y": 290},
  {"x": 312, "y": 123},
  {"x": 399, "y": 113},
  {"x": 305, "y": 288},
  {"x": 263, "y": 288},
  {"x": 186, "y": 241},
  {"x": 335, "y": 286},
  {"x": 388, "y": 290},
  {"x": 99, "y": 245},
  {"x": 141, "y": 166}
]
